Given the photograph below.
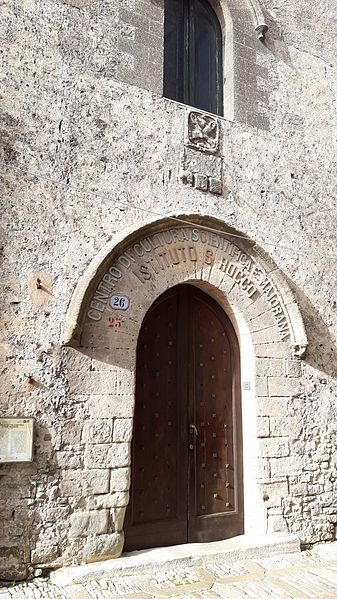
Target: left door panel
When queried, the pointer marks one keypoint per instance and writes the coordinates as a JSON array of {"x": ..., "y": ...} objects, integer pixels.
[{"x": 157, "y": 510}]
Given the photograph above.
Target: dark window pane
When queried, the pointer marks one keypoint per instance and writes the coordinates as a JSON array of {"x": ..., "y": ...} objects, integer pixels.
[
  {"x": 193, "y": 55},
  {"x": 174, "y": 51},
  {"x": 206, "y": 80}
]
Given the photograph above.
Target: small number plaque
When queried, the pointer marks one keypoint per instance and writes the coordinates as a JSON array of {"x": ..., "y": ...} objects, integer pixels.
[{"x": 119, "y": 302}]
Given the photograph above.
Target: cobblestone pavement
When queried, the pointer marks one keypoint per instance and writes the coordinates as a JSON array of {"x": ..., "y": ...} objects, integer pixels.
[{"x": 307, "y": 575}]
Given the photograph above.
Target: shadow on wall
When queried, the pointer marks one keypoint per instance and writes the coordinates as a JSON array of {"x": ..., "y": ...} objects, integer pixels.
[
  {"x": 321, "y": 352},
  {"x": 274, "y": 41}
]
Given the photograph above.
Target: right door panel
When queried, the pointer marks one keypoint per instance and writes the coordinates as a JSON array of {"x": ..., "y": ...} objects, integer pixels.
[{"x": 215, "y": 458}]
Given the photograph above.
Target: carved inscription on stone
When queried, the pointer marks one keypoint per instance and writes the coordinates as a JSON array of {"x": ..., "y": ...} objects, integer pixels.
[
  {"x": 203, "y": 132},
  {"x": 184, "y": 247}
]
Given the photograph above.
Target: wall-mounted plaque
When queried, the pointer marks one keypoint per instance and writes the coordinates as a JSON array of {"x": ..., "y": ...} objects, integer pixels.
[
  {"x": 16, "y": 440},
  {"x": 119, "y": 302}
]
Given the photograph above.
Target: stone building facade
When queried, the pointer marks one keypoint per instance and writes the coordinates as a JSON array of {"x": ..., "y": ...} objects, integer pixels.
[{"x": 110, "y": 189}]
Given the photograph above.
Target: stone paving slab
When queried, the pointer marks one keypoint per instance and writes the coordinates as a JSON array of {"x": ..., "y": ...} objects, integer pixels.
[{"x": 308, "y": 575}]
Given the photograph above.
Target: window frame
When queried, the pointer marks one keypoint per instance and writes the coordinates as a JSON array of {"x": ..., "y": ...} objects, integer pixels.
[{"x": 185, "y": 51}]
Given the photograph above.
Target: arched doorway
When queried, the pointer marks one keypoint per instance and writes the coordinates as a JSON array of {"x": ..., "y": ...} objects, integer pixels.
[{"x": 186, "y": 477}]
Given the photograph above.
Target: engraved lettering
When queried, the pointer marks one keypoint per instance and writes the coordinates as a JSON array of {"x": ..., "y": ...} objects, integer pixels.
[
  {"x": 138, "y": 276},
  {"x": 97, "y": 305},
  {"x": 173, "y": 254},
  {"x": 184, "y": 235},
  {"x": 94, "y": 315},
  {"x": 213, "y": 240},
  {"x": 160, "y": 254},
  {"x": 163, "y": 256},
  {"x": 145, "y": 272},
  {"x": 251, "y": 291},
  {"x": 103, "y": 286},
  {"x": 195, "y": 235},
  {"x": 238, "y": 276},
  {"x": 167, "y": 236},
  {"x": 109, "y": 280},
  {"x": 209, "y": 257},
  {"x": 159, "y": 262},
  {"x": 138, "y": 249},
  {"x": 126, "y": 260},
  {"x": 115, "y": 272},
  {"x": 274, "y": 301},
  {"x": 223, "y": 264},
  {"x": 231, "y": 269},
  {"x": 155, "y": 241},
  {"x": 150, "y": 262},
  {"x": 256, "y": 272},
  {"x": 192, "y": 254},
  {"x": 101, "y": 296},
  {"x": 182, "y": 251},
  {"x": 146, "y": 245},
  {"x": 244, "y": 283}
]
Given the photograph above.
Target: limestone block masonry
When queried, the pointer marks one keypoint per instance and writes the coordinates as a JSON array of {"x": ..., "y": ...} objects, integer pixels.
[{"x": 112, "y": 194}]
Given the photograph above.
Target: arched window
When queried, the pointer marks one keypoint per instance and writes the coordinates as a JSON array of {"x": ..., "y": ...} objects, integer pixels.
[{"x": 193, "y": 55}]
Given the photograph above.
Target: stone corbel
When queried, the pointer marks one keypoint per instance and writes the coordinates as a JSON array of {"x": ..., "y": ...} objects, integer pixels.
[{"x": 261, "y": 27}]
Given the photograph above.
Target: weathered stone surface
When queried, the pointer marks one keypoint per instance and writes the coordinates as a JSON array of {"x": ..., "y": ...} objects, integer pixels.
[
  {"x": 88, "y": 523},
  {"x": 123, "y": 430},
  {"x": 104, "y": 547},
  {"x": 115, "y": 455},
  {"x": 262, "y": 426},
  {"x": 274, "y": 406},
  {"x": 118, "y": 515},
  {"x": 288, "y": 425},
  {"x": 45, "y": 553},
  {"x": 269, "y": 367},
  {"x": 275, "y": 447},
  {"x": 120, "y": 479},
  {"x": 98, "y": 431},
  {"x": 89, "y": 157},
  {"x": 84, "y": 482},
  {"x": 105, "y": 406},
  {"x": 272, "y": 493},
  {"x": 92, "y": 382},
  {"x": 286, "y": 466},
  {"x": 283, "y": 387}
]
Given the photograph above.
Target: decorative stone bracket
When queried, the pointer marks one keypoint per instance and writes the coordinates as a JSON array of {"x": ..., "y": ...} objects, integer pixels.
[{"x": 261, "y": 27}]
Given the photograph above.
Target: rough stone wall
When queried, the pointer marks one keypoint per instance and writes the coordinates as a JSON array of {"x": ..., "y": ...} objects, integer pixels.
[{"x": 87, "y": 153}]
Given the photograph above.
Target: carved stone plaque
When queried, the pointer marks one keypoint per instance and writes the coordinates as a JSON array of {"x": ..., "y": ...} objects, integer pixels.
[
  {"x": 16, "y": 440},
  {"x": 203, "y": 132}
]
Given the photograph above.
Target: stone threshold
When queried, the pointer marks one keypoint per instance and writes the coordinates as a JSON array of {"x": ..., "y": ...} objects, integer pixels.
[{"x": 160, "y": 559}]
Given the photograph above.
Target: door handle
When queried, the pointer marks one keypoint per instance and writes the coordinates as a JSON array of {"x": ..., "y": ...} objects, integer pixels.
[{"x": 193, "y": 430}]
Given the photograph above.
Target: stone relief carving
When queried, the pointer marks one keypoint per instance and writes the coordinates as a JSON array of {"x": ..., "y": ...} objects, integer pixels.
[
  {"x": 201, "y": 166},
  {"x": 203, "y": 132},
  {"x": 299, "y": 349}
]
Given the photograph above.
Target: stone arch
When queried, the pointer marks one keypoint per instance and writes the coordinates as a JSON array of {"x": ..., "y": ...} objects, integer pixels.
[
  {"x": 138, "y": 267},
  {"x": 273, "y": 286}
]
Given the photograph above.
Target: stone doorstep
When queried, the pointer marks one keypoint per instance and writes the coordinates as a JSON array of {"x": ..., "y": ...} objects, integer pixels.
[{"x": 244, "y": 547}]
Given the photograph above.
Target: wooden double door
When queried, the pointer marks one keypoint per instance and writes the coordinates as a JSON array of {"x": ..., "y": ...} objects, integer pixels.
[{"x": 186, "y": 474}]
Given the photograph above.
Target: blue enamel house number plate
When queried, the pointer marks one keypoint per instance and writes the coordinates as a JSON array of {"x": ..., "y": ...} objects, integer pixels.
[{"x": 119, "y": 302}]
